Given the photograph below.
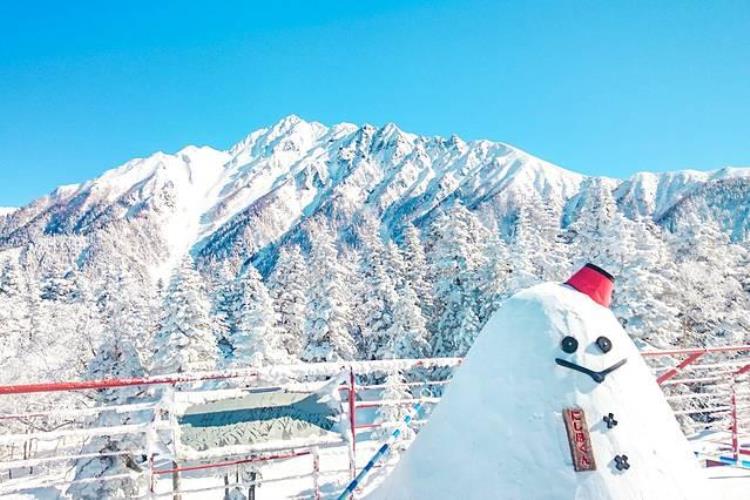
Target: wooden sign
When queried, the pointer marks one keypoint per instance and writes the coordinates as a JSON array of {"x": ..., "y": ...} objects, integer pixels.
[{"x": 579, "y": 440}]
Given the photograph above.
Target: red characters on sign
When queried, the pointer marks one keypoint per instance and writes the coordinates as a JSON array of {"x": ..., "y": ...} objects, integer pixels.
[{"x": 578, "y": 439}]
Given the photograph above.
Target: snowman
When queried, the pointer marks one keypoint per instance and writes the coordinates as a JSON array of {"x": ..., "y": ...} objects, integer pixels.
[{"x": 552, "y": 402}]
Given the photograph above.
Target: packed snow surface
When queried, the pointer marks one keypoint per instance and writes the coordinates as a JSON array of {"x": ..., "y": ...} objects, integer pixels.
[
  {"x": 7, "y": 210},
  {"x": 499, "y": 430}
]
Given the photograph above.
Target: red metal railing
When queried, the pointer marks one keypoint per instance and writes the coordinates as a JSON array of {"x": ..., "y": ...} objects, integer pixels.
[
  {"x": 354, "y": 369},
  {"x": 725, "y": 372},
  {"x": 692, "y": 356},
  {"x": 729, "y": 372}
]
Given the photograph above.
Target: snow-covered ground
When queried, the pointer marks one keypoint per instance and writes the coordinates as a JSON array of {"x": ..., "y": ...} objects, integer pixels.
[
  {"x": 726, "y": 483},
  {"x": 729, "y": 483}
]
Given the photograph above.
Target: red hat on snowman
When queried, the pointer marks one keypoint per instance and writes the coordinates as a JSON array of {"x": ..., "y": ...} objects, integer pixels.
[{"x": 595, "y": 282}]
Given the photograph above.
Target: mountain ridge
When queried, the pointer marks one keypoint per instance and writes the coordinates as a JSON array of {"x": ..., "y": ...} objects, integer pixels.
[
  {"x": 343, "y": 218},
  {"x": 213, "y": 203}
]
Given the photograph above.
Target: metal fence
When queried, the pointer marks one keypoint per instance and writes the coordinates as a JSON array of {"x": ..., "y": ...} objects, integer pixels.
[{"x": 709, "y": 390}]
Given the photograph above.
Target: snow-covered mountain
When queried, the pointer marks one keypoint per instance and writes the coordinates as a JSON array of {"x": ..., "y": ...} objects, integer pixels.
[
  {"x": 220, "y": 203},
  {"x": 338, "y": 220},
  {"x": 244, "y": 201},
  {"x": 309, "y": 243}
]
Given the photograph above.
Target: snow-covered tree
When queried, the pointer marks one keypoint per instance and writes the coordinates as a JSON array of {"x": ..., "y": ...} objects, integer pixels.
[
  {"x": 415, "y": 270},
  {"x": 116, "y": 355},
  {"x": 492, "y": 275},
  {"x": 14, "y": 312},
  {"x": 11, "y": 279},
  {"x": 590, "y": 235},
  {"x": 645, "y": 297},
  {"x": 224, "y": 300},
  {"x": 377, "y": 291},
  {"x": 288, "y": 284},
  {"x": 407, "y": 336},
  {"x": 712, "y": 302},
  {"x": 128, "y": 321},
  {"x": 350, "y": 261},
  {"x": 38, "y": 318},
  {"x": 328, "y": 310},
  {"x": 392, "y": 414},
  {"x": 538, "y": 252},
  {"x": 185, "y": 341},
  {"x": 454, "y": 259},
  {"x": 59, "y": 285},
  {"x": 396, "y": 266},
  {"x": 257, "y": 340},
  {"x": 91, "y": 321}
]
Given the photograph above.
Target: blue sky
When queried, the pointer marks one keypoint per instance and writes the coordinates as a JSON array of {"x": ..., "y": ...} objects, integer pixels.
[{"x": 599, "y": 87}]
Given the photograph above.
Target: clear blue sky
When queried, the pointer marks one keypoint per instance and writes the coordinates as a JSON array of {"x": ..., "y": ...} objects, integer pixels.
[{"x": 599, "y": 87}]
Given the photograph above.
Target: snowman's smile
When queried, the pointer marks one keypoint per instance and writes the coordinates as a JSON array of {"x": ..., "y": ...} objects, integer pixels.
[{"x": 597, "y": 376}]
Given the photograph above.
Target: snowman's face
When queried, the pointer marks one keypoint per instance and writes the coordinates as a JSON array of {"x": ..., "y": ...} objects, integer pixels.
[{"x": 570, "y": 345}]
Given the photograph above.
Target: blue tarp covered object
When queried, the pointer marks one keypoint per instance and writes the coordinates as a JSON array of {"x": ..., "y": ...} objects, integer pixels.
[{"x": 262, "y": 416}]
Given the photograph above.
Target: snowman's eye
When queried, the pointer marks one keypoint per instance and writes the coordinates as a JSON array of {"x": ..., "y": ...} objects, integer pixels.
[
  {"x": 569, "y": 345},
  {"x": 604, "y": 344}
]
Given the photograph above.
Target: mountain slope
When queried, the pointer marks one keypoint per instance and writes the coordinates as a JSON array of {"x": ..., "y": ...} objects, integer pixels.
[
  {"x": 339, "y": 220},
  {"x": 242, "y": 202}
]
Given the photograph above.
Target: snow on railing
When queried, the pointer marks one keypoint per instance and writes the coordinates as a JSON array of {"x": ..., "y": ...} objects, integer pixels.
[
  {"x": 312, "y": 452},
  {"x": 116, "y": 430},
  {"x": 161, "y": 418},
  {"x": 18, "y": 464},
  {"x": 77, "y": 412},
  {"x": 707, "y": 388}
]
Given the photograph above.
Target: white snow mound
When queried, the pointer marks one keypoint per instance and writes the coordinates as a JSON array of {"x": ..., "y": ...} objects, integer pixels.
[{"x": 499, "y": 430}]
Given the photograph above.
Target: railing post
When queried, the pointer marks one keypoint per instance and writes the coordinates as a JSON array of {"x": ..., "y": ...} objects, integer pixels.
[
  {"x": 316, "y": 472},
  {"x": 353, "y": 420},
  {"x": 173, "y": 424},
  {"x": 176, "y": 481},
  {"x": 151, "y": 439},
  {"x": 151, "y": 480},
  {"x": 735, "y": 430},
  {"x": 735, "y": 420}
]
